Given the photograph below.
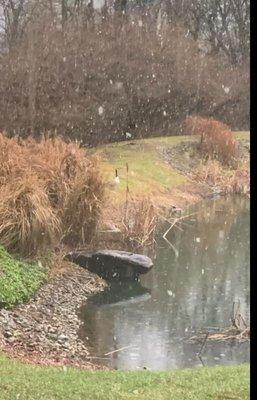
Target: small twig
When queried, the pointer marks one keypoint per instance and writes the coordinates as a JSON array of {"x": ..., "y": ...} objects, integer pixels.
[
  {"x": 173, "y": 247},
  {"x": 96, "y": 358},
  {"x": 169, "y": 229},
  {"x": 203, "y": 344},
  {"x": 127, "y": 193},
  {"x": 247, "y": 330},
  {"x": 116, "y": 351},
  {"x": 178, "y": 227},
  {"x": 200, "y": 358},
  {"x": 243, "y": 320}
]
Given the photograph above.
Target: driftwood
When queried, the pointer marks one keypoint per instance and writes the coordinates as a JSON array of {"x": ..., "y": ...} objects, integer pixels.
[
  {"x": 222, "y": 335},
  {"x": 238, "y": 331}
]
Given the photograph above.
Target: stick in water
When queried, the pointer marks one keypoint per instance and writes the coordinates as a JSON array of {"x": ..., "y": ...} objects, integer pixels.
[{"x": 116, "y": 351}]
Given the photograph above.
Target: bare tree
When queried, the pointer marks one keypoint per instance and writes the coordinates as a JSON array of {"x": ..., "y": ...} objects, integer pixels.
[
  {"x": 12, "y": 17},
  {"x": 223, "y": 24}
]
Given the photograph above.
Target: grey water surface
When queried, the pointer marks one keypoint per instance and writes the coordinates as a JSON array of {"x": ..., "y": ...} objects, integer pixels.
[{"x": 183, "y": 294}]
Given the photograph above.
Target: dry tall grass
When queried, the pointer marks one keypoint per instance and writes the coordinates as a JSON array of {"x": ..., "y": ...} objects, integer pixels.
[
  {"x": 139, "y": 225},
  {"x": 51, "y": 191},
  {"x": 28, "y": 224},
  {"x": 216, "y": 138},
  {"x": 227, "y": 180}
]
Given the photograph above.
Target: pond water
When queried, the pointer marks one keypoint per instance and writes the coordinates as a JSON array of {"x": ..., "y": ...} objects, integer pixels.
[{"x": 184, "y": 293}]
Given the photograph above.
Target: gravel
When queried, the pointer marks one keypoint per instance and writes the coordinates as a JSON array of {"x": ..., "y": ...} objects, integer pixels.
[{"x": 46, "y": 328}]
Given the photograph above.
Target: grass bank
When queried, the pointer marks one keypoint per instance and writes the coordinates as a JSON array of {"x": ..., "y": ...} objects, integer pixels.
[
  {"x": 18, "y": 280},
  {"x": 26, "y": 382},
  {"x": 149, "y": 173}
]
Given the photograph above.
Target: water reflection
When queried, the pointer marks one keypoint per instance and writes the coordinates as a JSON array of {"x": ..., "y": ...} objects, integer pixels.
[
  {"x": 119, "y": 294},
  {"x": 179, "y": 296}
]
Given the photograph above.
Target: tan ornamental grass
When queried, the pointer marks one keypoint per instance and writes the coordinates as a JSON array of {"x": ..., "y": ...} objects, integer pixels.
[
  {"x": 51, "y": 191},
  {"x": 28, "y": 224}
]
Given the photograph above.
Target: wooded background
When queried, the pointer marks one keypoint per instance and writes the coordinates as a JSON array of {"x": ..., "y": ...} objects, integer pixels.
[{"x": 98, "y": 70}]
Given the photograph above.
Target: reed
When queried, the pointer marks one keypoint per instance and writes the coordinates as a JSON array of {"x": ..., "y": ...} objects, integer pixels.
[{"x": 138, "y": 228}]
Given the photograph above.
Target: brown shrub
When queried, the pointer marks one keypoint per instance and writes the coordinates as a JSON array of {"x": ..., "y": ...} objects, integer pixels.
[
  {"x": 195, "y": 125},
  {"x": 216, "y": 138},
  {"x": 28, "y": 224},
  {"x": 57, "y": 190},
  {"x": 85, "y": 195},
  {"x": 11, "y": 158},
  {"x": 227, "y": 180}
]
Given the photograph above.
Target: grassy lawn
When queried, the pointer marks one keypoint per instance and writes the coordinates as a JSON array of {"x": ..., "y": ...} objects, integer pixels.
[
  {"x": 242, "y": 135},
  {"x": 18, "y": 280},
  {"x": 148, "y": 172},
  {"x": 26, "y": 382}
]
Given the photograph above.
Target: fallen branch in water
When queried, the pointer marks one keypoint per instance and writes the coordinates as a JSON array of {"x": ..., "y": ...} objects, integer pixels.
[
  {"x": 174, "y": 224},
  {"x": 239, "y": 330},
  {"x": 226, "y": 334}
]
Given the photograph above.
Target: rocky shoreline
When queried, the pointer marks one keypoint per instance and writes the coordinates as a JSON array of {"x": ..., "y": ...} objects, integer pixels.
[{"x": 45, "y": 330}]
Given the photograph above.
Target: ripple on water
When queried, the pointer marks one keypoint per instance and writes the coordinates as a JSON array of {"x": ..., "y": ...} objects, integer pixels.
[{"x": 184, "y": 295}]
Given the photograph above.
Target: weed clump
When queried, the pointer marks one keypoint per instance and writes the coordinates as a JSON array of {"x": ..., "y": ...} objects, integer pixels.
[
  {"x": 19, "y": 280},
  {"x": 216, "y": 138},
  {"x": 51, "y": 192},
  {"x": 227, "y": 180},
  {"x": 139, "y": 224}
]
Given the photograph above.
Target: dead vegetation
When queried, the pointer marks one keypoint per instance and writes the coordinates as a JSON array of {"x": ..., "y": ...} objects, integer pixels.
[
  {"x": 238, "y": 331},
  {"x": 216, "y": 138},
  {"x": 226, "y": 181},
  {"x": 139, "y": 223},
  {"x": 51, "y": 192},
  {"x": 98, "y": 85}
]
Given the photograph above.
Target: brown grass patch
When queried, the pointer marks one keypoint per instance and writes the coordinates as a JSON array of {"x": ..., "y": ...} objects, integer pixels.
[
  {"x": 227, "y": 180},
  {"x": 217, "y": 139},
  {"x": 51, "y": 191},
  {"x": 139, "y": 223},
  {"x": 28, "y": 223}
]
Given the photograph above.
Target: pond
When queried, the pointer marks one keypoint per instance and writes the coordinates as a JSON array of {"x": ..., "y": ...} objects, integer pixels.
[{"x": 189, "y": 289}]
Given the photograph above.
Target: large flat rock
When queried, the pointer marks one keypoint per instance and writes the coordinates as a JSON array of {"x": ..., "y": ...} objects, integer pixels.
[{"x": 112, "y": 264}]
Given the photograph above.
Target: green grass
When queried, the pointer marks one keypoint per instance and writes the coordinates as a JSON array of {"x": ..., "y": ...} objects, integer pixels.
[
  {"x": 148, "y": 172},
  {"x": 242, "y": 135},
  {"x": 18, "y": 280},
  {"x": 26, "y": 382}
]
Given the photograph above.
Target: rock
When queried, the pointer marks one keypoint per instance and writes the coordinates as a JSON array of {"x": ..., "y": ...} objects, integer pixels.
[
  {"x": 62, "y": 338},
  {"x": 112, "y": 264},
  {"x": 10, "y": 340},
  {"x": 8, "y": 334},
  {"x": 52, "y": 329},
  {"x": 26, "y": 330}
]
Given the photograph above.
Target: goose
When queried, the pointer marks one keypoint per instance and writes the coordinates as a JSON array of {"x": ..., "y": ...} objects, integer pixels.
[
  {"x": 116, "y": 179},
  {"x": 115, "y": 182}
]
